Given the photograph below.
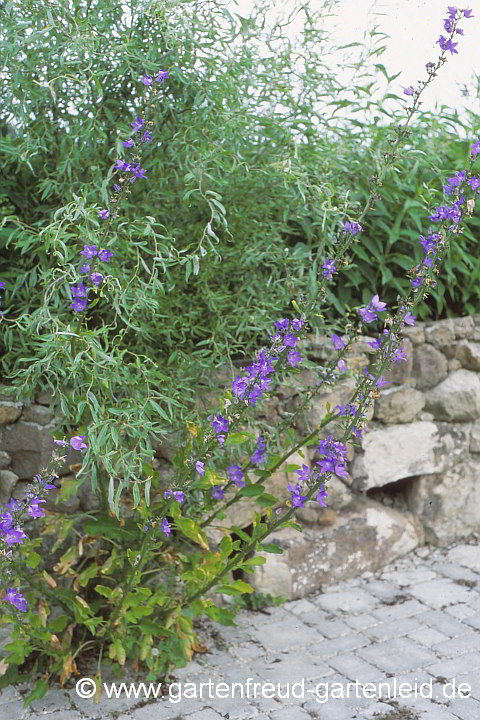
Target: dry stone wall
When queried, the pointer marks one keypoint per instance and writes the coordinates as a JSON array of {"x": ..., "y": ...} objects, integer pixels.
[{"x": 415, "y": 479}]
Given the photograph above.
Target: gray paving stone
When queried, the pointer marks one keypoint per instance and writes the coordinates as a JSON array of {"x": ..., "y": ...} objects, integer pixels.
[
  {"x": 334, "y": 628},
  {"x": 241, "y": 673},
  {"x": 291, "y": 668},
  {"x": 292, "y": 713},
  {"x": 427, "y": 636},
  {"x": 314, "y": 618},
  {"x": 236, "y": 707},
  {"x": 165, "y": 709},
  {"x": 443, "y": 623},
  {"x": 300, "y": 607},
  {"x": 269, "y": 706},
  {"x": 395, "y": 688},
  {"x": 247, "y": 652},
  {"x": 113, "y": 703},
  {"x": 473, "y": 680},
  {"x": 445, "y": 692},
  {"x": 456, "y": 666},
  {"x": 373, "y": 712},
  {"x": 396, "y": 612},
  {"x": 441, "y": 592},
  {"x": 466, "y": 555},
  {"x": 13, "y": 709},
  {"x": 286, "y": 635},
  {"x": 456, "y": 572},
  {"x": 8, "y": 694},
  {"x": 397, "y": 655},
  {"x": 207, "y": 714},
  {"x": 473, "y": 622},
  {"x": 392, "y": 630},
  {"x": 385, "y": 591},
  {"x": 191, "y": 670},
  {"x": 348, "y": 601},
  {"x": 465, "y": 708},
  {"x": 59, "y": 715},
  {"x": 360, "y": 622},
  {"x": 409, "y": 577},
  {"x": 338, "y": 646},
  {"x": 462, "y": 611},
  {"x": 474, "y": 601},
  {"x": 335, "y": 690},
  {"x": 55, "y": 699},
  {"x": 335, "y": 710},
  {"x": 355, "y": 668},
  {"x": 217, "y": 660},
  {"x": 425, "y": 710},
  {"x": 460, "y": 645},
  {"x": 269, "y": 616}
]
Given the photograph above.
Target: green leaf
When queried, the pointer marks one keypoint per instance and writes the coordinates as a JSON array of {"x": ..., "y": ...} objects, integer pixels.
[
  {"x": 133, "y": 557},
  {"x": 88, "y": 574},
  {"x": 236, "y": 588},
  {"x": 241, "y": 533},
  {"x": 38, "y": 692},
  {"x": 159, "y": 410},
  {"x": 192, "y": 530},
  {"x": 136, "y": 613},
  {"x": 33, "y": 559},
  {"x": 257, "y": 560},
  {"x": 156, "y": 629},
  {"x": 270, "y": 548},
  {"x": 266, "y": 500},
  {"x": 238, "y": 438},
  {"x": 224, "y": 617},
  {"x": 226, "y": 545},
  {"x": 103, "y": 590},
  {"x": 59, "y": 624},
  {"x": 252, "y": 490},
  {"x": 109, "y": 527}
]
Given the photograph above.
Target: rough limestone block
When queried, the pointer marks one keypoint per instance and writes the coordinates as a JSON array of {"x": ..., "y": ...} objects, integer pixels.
[
  {"x": 415, "y": 333},
  {"x": 38, "y": 414},
  {"x": 396, "y": 452},
  {"x": 398, "y": 405},
  {"x": 464, "y": 327},
  {"x": 441, "y": 333},
  {"x": 399, "y": 373},
  {"x": 429, "y": 366},
  {"x": 468, "y": 354},
  {"x": 340, "y": 394},
  {"x": 457, "y": 398},
  {"x": 5, "y": 459},
  {"x": 447, "y": 504},
  {"x": 31, "y": 446},
  {"x": 9, "y": 412},
  {"x": 8, "y": 480},
  {"x": 366, "y": 537},
  {"x": 475, "y": 437}
]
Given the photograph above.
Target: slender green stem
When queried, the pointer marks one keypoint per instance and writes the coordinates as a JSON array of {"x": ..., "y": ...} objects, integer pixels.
[
  {"x": 129, "y": 585},
  {"x": 272, "y": 469}
]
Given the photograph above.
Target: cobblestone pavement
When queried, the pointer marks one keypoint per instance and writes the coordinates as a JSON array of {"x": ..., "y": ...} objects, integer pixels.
[{"x": 416, "y": 621}]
